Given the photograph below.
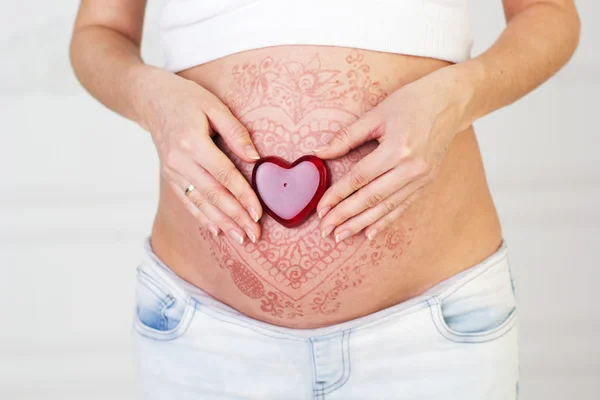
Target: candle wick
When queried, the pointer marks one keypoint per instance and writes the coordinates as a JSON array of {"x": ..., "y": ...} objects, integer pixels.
[{"x": 285, "y": 184}]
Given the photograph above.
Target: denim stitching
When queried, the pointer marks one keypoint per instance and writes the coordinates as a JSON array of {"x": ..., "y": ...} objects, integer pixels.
[
  {"x": 161, "y": 283},
  {"x": 145, "y": 280},
  {"x": 154, "y": 334},
  {"x": 450, "y": 291},
  {"x": 155, "y": 261},
  {"x": 221, "y": 316},
  {"x": 168, "y": 291},
  {"x": 314, "y": 362},
  {"x": 418, "y": 306},
  {"x": 467, "y": 338},
  {"x": 163, "y": 312},
  {"x": 165, "y": 298},
  {"x": 388, "y": 318},
  {"x": 439, "y": 319},
  {"x": 166, "y": 335},
  {"x": 319, "y": 393},
  {"x": 345, "y": 365}
]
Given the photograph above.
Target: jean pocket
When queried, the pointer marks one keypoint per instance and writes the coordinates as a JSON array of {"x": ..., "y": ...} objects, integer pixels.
[
  {"x": 479, "y": 310},
  {"x": 159, "y": 313}
]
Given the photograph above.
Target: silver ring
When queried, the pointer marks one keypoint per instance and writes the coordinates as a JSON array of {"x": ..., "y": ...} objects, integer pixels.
[{"x": 189, "y": 190}]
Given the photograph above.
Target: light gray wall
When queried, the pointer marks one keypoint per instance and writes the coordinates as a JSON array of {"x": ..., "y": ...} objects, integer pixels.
[{"x": 78, "y": 192}]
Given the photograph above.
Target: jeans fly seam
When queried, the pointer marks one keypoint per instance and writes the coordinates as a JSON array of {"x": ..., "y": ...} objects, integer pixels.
[
  {"x": 345, "y": 362},
  {"x": 314, "y": 361}
]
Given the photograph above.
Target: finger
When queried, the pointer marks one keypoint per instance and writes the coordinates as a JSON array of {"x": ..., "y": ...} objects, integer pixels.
[
  {"x": 219, "y": 218},
  {"x": 213, "y": 160},
  {"x": 213, "y": 193},
  {"x": 386, "y": 221},
  {"x": 234, "y": 133},
  {"x": 368, "y": 197},
  {"x": 350, "y": 137},
  {"x": 373, "y": 165},
  {"x": 379, "y": 218},
  {"x": 196, "y": 213}
]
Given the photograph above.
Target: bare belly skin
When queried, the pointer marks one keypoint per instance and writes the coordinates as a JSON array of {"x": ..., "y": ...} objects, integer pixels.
[{"x": 293, "y": 98}]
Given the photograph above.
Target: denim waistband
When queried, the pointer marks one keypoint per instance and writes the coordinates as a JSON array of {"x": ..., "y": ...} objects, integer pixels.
[{"x": 188, "y": 292}]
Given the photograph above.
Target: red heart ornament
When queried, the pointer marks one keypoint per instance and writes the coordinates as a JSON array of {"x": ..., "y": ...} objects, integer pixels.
[{"x": 289, "y": 193}]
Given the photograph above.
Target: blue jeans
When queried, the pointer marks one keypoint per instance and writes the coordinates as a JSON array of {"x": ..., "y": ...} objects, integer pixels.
[{"x": 457, "y": 341}]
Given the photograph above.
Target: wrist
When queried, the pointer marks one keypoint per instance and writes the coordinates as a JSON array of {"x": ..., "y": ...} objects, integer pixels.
[
  {"x": 143, "y": 84},
  {"x": 468, "y": 79},
  {"x": 452, "y": 91}
]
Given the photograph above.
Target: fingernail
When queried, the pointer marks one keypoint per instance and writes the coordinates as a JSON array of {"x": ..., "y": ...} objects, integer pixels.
[
  {"x": 236, "y": 236},
  {"x": 324, "y": 211},
  {"x": 326, "y": 231},
  {"x": 250, "y": 234},
  {"x": 251, "y": 152},
  {"x": 253, "y": 214},
  {"x": 320, "y": 148},
  {"x": 371, "y": 234},
  {"x": 342, "y": 235},
  {"x": 214, "y": 230}
]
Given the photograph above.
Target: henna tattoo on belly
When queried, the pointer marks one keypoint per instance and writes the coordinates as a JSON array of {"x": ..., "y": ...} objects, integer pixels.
[{"x": 291, "y": 107}]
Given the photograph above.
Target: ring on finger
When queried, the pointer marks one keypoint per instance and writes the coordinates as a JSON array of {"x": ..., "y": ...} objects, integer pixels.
[{"x": 189, "y": 190}]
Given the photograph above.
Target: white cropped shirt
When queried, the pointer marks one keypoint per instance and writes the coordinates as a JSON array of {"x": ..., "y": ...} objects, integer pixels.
[{"x": 194, "y": 32}]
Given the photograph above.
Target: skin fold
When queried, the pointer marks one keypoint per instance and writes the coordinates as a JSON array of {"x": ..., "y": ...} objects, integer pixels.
[{"x": 409, "y": 205}]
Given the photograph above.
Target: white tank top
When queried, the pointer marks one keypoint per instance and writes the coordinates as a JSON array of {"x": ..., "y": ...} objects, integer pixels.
[{"x": 197, "y": 31}]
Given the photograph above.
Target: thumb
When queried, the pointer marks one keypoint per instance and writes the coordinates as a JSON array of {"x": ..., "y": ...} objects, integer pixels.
[
  {"x": 348, "y": 138},
  {"x": 234, "y": 133}
]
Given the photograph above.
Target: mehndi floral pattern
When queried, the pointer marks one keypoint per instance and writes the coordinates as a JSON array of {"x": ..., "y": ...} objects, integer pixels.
[{"x": 291, "y": 107}]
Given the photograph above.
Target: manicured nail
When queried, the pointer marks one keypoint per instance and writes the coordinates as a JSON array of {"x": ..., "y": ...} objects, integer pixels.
[
  {"x": 324, "y": 211},
  {"x": 253, "y": 214},
  {"x": 371, "y": 234},
  {"x": 342, "y": 235},
  {"x": 250, "y": 234},
  {"x": 327, "y": 231},
  {"x": 214, "y": 230},
  {"x": 251, "y": 152},
  {"x": 320, "y": 148},
  {"x": 236, "y": 236}
]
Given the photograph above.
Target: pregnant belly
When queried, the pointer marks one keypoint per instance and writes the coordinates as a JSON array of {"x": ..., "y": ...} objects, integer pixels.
[{"x": 293, "y": 99}]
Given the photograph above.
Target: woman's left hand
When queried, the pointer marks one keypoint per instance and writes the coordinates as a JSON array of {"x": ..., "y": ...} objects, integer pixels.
[{"x": 414, "y": 127}]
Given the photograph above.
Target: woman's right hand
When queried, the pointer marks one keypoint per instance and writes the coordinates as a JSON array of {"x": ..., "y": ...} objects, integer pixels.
[{"x": 182, "y": 117}]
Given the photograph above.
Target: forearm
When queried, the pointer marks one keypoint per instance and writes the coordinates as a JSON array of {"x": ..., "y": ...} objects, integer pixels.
[
  {"x": 109, "y": 66},
  {"x": 536, "y": 43}
]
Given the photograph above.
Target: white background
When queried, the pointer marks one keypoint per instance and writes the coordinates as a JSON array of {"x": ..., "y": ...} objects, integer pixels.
[{"x": 78, "y": 190}]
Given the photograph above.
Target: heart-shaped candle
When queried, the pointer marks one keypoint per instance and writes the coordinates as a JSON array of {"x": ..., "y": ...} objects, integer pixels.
[{"x": 290, "y": 192}]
